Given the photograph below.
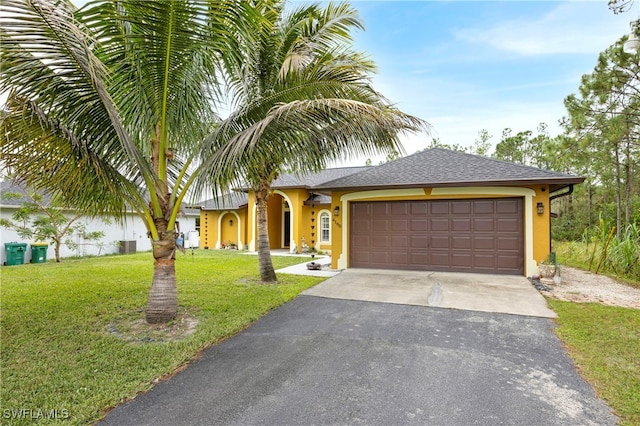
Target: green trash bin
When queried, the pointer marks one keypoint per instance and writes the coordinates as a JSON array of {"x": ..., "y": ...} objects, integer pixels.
[
  {"x": 39, "y": 252},
  {"x": 15, "y": 253}
]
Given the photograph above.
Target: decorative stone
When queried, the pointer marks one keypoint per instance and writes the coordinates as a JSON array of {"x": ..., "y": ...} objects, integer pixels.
[{"x": 313, "y": 266}]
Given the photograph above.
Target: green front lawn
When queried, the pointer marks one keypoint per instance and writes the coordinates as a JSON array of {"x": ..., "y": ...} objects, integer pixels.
[
  {"x": 74, "y": 343},
  {"x": 73, "y": 338},
  {"x": 604, "y": 342}
]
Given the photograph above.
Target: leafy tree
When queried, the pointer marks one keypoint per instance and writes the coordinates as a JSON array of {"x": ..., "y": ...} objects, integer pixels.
[
  {"x": 437, "y": 143},
  {"x": 513, "y": 148},
  {"x": 482, "y": 146},
  {"x": 111, "y": 105},
  {"x": 302, "y": 97},
  {"x": 604, "y": 119},
  {"x": 44, "y": 219}
]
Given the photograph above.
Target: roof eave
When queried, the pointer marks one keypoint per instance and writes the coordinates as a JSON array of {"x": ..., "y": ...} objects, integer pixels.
[{"x": 554, "y": 184}]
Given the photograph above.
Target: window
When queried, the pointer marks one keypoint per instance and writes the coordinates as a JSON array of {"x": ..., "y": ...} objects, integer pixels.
[{"x": 325, "y": 227}]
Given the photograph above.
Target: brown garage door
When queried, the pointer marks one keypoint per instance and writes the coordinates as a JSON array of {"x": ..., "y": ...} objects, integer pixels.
[{"x": 483, "y": 235}]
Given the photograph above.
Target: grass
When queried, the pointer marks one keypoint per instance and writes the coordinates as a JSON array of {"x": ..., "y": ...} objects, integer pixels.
[
  {"x": 604, "y": 342},
  {"x": 581, "y": 255},
  {"x": 63, "y": 353},
  {"x": 72, "y": 344}
]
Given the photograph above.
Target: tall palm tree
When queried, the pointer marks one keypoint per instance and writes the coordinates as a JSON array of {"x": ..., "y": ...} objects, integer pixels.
[
  {"x": 301, "y": 98},
  {"x": 111, "y": 104}
]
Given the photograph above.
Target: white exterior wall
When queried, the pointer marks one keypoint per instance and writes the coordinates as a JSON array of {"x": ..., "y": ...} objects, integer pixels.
[{"x": 133, "y": 229}]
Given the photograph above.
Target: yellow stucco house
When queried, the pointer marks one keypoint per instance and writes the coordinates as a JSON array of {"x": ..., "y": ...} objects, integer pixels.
[{"x": 437, "y": 210}]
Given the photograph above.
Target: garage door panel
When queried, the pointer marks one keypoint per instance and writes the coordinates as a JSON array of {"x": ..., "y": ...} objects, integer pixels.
[
  {"x": 379, "y": 225},
  {"x": 379, "y": 257},
  {"x": 400, "y": 241},
  {"x": 361, "y": 241},
  {"x": 399, "y": 209},
  {"x": 361, "y": 209},
  {"x": 461, "y": 242},
  {"x": 419, "y": 225},
  {"x": 418, "y": 258},
  {"x": 483, "y": 225},
  {"x": 399, "y": 258},
  {"x": 482, "y": 235},
  {"x": 439, "y": 242},
  {"x": 439, "y": 207},
  {"x": 509, "y": 262},
  {"x": 483, "y": 207},
  {"x": 360, "y": 227},
  {"x": 399, "y": 225},
  {"x": 508, "y": 244},
  {"x": 459, "y": 259},
  {"x": 507, "y": 225},
  {"x": 379, "y": 241},
  {"x": 460, "y": 225},
  {"x": 419, "y": 208},
  {"x": 484, "y": 242},
  {"x": 380, "y": 209},
  {"x": 509, "y": 206},
  {"x": 439, "y": 224},
  {"x": 461, "y": 208},
  {"x": 439, "y": 258},
  {"x": 484, "y": 261},
  {"x": 419, "y": 242}
]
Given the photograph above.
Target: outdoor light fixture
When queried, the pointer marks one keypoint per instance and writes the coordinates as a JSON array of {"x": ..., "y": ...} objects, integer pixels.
[
  {"x": 540, "y": 208},
  {"x": 230, "y": 222},
  {"x": 336, "y": 211},
  {"x": 632, "y": 44}
]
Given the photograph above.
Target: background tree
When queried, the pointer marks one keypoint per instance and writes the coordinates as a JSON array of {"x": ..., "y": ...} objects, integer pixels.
[
  {"x": 604, "y": 120},
  {"x": 482, "y": 146},
  {"x": 111, "y": 105},
  {"x": 46, "y": 219},
  {"x": 301, "y": 98}
]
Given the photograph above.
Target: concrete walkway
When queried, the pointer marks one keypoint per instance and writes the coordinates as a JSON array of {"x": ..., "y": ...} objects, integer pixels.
[
  {"x": 474, "y": 292},
  {"x": 301, "y": 268}
]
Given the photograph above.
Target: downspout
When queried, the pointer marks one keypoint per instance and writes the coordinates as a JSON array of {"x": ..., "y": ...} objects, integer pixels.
[{"x": 551, "y": 198}]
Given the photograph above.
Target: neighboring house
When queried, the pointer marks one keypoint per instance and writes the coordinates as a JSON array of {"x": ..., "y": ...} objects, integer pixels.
[
  {"x": 129, "y": 236},
  {"x": 436, "y": 210}
]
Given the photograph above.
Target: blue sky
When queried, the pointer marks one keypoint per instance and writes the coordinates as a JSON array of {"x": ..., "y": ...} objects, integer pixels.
[{"x": 465, "y": 66}]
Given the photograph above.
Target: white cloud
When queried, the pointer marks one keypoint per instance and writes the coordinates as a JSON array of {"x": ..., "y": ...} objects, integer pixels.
[{"x": 571, "y": 27}]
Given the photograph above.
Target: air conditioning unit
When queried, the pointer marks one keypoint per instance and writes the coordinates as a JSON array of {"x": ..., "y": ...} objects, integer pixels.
[{"x": 127, "y": 246}]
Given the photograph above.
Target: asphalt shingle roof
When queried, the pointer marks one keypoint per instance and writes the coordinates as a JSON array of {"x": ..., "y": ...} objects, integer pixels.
[
  {"x": 7, "y": 187},
  {"x": 442, "y": 167},
  {"x": 231, "y": 201},
  {"x": 313, "y": 179}
]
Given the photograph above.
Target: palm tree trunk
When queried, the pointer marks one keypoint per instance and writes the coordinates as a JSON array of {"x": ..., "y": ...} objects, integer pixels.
[
  {"x": 267, "y": 273},
  {"x": 162, "y": 305}
]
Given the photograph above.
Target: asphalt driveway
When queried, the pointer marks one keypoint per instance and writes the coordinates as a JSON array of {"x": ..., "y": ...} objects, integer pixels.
[{"x": 320, "y": 360}]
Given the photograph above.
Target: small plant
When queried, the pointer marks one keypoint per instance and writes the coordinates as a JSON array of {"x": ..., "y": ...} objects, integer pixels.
[
  {"x": 548, "y": 267},
  {"x": 550, "y": 259},
  {"x": 43, "y": 218}
]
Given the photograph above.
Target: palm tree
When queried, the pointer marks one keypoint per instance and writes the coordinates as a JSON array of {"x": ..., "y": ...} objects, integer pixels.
[
  {"x": 110, "y": 105},
  {"x": 301, "y": 98}
]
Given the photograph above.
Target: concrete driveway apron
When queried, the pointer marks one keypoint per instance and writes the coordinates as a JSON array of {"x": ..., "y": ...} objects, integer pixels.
[
  {"x": 327, "y": 360},
  {"x": 507, "y": 294}
]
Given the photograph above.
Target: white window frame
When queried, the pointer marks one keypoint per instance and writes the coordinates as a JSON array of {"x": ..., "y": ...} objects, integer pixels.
[{"x": 321, "y": 216}]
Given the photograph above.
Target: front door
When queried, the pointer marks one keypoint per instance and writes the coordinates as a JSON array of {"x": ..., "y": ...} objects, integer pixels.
[{"x": 286, "y": 229}]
